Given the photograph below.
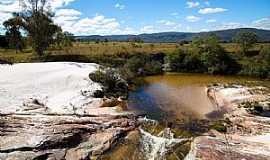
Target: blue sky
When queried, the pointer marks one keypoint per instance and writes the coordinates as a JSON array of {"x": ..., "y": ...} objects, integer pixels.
[{"x": 106, "y": 17}]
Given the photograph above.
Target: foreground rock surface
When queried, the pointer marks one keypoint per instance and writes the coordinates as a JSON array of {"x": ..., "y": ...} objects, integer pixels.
[
  {"x": 48, "y": 111},
  {"x": 60, "y": 137},
  {"x": 247, "y": 136}
]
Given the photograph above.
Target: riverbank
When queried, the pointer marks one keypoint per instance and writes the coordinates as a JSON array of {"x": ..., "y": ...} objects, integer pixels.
[
  {"x": 56, "y": 111},
  {"x": 247, "y": 131}
]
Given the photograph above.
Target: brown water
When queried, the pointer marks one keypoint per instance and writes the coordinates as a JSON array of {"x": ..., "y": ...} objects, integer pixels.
[
  {"x": 180, "y": 99},
  {"x": 179, "y": 96}
]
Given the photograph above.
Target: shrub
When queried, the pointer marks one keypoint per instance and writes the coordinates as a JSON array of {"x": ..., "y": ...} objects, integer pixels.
[
  {"x": 135, "y": 63},
  {"x": 174, "y": 61},
  {"x": 113, "y": 84},
  {"x": 153, "y": 67},
  {"x": 143, "y": 64},
  {"x": 253, "y": 68},
  {"x": 192, "y": 63}
]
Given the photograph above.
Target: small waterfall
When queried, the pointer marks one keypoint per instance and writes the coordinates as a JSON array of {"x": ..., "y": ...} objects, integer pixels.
[{"x": 156, "y": 147}]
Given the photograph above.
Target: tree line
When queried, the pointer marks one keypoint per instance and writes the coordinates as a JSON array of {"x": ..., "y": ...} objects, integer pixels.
[{"x": 35, "y": 25}]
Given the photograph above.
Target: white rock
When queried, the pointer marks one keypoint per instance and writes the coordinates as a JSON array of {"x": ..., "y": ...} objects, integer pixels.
[{"x": 57, "y": 85}]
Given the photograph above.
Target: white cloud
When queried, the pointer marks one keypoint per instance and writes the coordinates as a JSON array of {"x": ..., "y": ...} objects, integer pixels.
[
  {"x": 161, "y": 28},
  {"x": 55, "y": 4},
  {"x": 120, "y": 6},
  {"x": 191, "y": 4},
  {"x": 204, "y": 30},
  {"x": 263, "y": 23},
  {"x": 212, "y": 10},
  {"x": 230, "y": 25},
  {"x": 147, "y": 29},
  {"x": 67, "y": 12},
  {"x": 211, "y": 21},
  {"x": 9, "y": 6},
  {"x": 192, "y": 18},
  {"x": 6, "y": 8},
  {"x": 98, "y": 24},
  {"x": 6, "y": 2},
  {"x": 188, "y": 29},
  {"x": 166, "y": 22}
]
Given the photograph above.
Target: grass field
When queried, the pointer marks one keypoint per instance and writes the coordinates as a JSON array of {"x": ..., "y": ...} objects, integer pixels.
[{"x": 84, "y": 51}]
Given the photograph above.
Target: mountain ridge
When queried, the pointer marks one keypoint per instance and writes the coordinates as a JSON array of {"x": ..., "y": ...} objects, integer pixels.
[{"x": 167, "y": 37}]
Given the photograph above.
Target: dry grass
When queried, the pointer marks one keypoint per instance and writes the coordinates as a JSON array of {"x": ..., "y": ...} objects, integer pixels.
[
  {"x": 89, "y": 49},
  {"x": 116, "y": 48}
]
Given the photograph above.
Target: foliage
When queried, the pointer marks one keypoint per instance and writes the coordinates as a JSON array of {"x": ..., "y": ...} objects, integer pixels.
[
  {"x": 188, "y": 58},
  {"x": 39, "y": 25},
  {"x": 246, "y": 40},
  {"x": 214, "y": 58},
  {"x": 13, "y": 34},
  {"x": 63, "y": 39},
  {"x": 264, "y": 56},
  {"x": 174, "y": 60},
  {"x": 205, "y": 55},
  {"x": 142, "y": 64},
  {"x": 37, "y": 21},
  {"x": 153, "y": 68},
  {"x": 3, "y": 42},
  {"x": 113, "y": 84},
  {"x": 258, "y": 66}
]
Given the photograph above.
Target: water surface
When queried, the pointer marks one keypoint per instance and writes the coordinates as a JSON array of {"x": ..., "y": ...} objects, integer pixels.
[{"x": 179, "y": 96}]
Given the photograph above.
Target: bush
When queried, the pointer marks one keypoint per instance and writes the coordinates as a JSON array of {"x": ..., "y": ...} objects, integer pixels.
[
  {"x": 253, "y": 68},
  {"x": 174, "y": 61},
  {"x": 205, "y": 56},
  {"x": 264, "y": 58},
  {"x": 113, "y": 84},
  {"x": 135, "y": 63},
  {"x": 153, "y": 67},
  {"x": 193, "y": 63},
  {"x": 143, "y": 64}
]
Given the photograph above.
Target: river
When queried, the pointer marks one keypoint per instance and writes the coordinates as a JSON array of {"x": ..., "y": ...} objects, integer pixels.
[
  {"x": 173, "y": 96},
  {"x": 176, "y": 101}
]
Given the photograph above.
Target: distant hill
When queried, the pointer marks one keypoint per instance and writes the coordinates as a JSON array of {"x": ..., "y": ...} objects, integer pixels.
[{"x": 224, "y": 35}]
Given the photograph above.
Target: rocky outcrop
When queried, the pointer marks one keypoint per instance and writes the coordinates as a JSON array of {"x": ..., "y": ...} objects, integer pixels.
[
  {"x": 60, "y": 137},
  {"x": 48, "y": 111},
  {"x": 227, "y": 147},
  {"x": 247, "y": 135}
]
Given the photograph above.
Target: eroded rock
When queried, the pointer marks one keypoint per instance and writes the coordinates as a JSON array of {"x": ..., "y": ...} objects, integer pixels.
[
  {"x": 246, "y": 137},
  {"x": 30, "y": 136}
]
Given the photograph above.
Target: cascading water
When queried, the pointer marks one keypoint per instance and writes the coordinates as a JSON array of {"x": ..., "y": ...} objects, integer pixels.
[{"x": 155, "y": 147}]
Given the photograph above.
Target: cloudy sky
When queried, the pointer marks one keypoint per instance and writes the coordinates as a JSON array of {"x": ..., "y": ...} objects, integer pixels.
[{"x": 109, "y": 17}]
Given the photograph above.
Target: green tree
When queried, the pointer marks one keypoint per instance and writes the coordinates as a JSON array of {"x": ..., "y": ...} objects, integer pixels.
[
  {"x": 38, "y": 24},
  {"x": 68, "y": 39},
  {"x": 213, "y": 56},
  {"x": 13, "y": 34},
  {"x": 174, "y": 61},
  {"x": 63, "y": 39},
  {"x": 245, "y": 40}
]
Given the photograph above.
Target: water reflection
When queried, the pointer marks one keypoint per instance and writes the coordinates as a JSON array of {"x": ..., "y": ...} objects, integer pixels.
[{"x": 179, "y": 96}]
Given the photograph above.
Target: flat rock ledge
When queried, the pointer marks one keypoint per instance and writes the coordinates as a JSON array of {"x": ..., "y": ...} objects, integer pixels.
[
  {"x": 48, "y": 112},
  {"x": 57, "y": 137},
  {"x": 247, "y": 136}
]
